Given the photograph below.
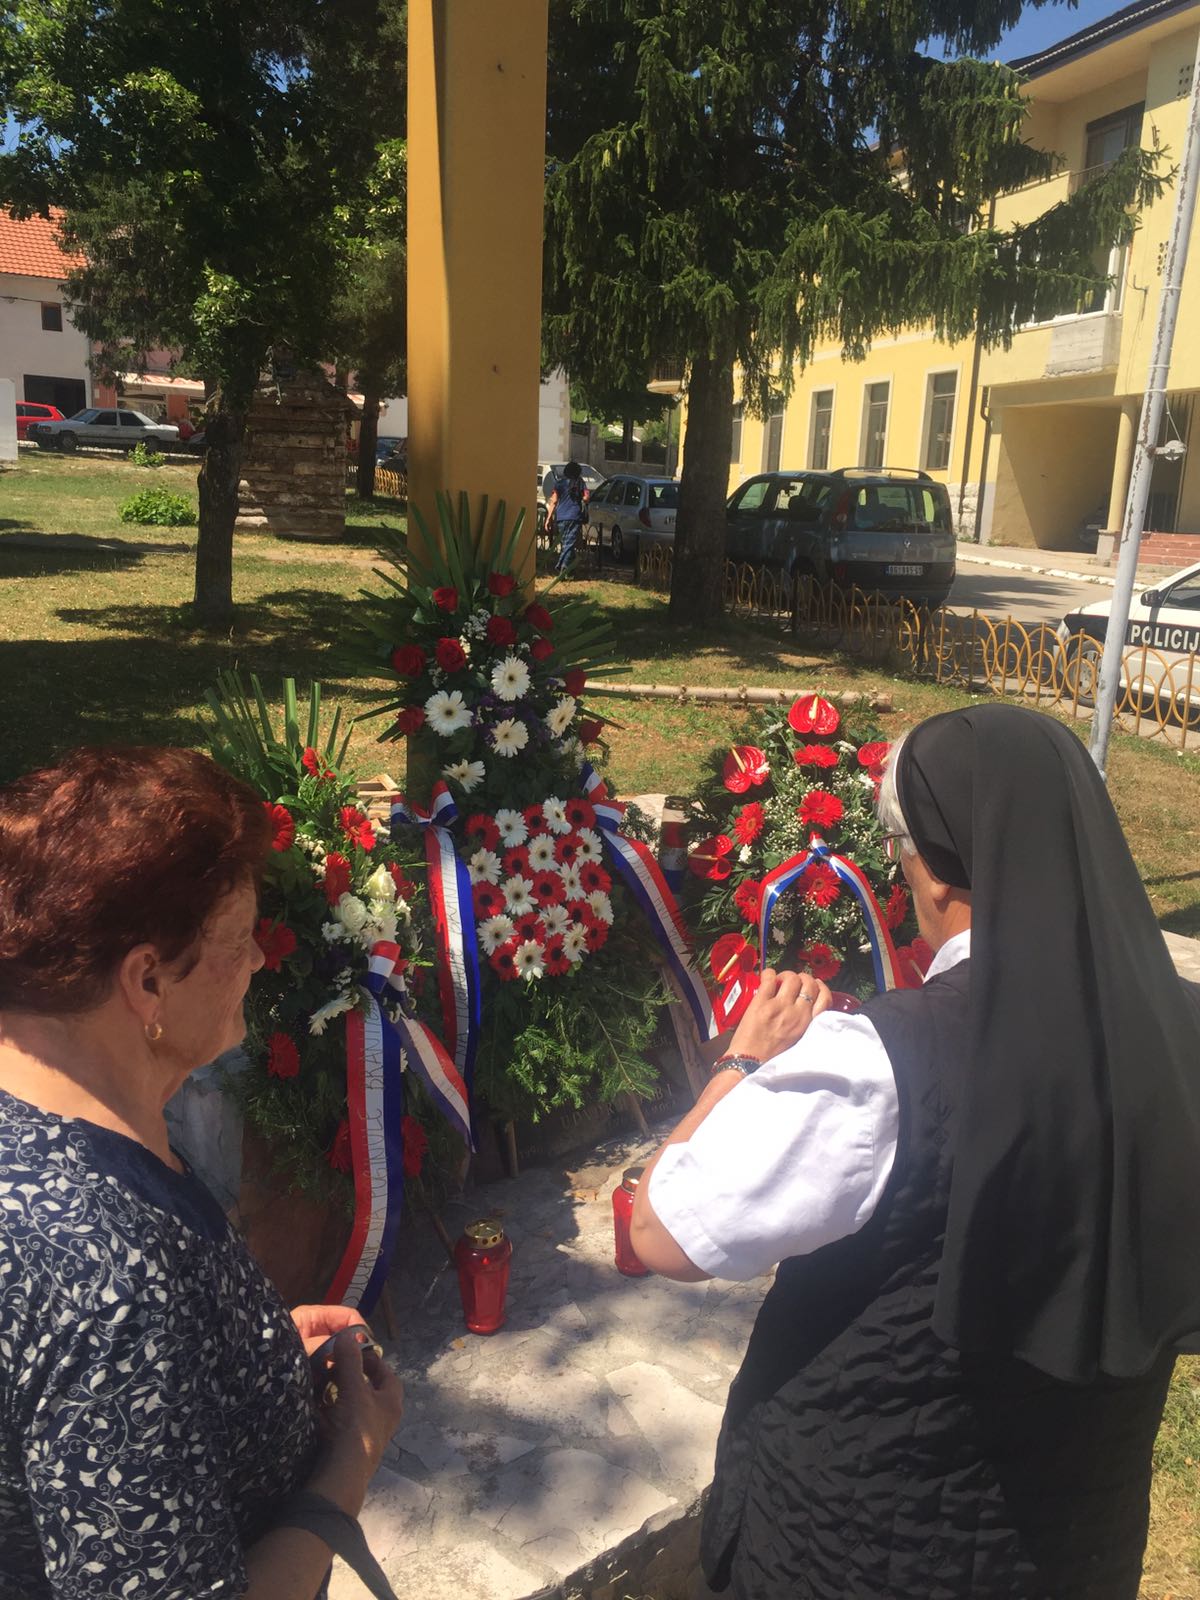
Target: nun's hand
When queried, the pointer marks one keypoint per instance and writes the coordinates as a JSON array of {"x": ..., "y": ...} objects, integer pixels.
[{"x": 783, "y": 1006}]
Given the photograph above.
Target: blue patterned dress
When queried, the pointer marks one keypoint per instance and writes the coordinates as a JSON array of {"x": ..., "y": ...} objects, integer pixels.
[{"x": 155, "y": 1401}]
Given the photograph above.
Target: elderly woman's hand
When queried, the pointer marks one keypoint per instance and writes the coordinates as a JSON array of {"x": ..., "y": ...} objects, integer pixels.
[
  {"x": 783, "y": 1006},
  {"x": 318, "y": 1323}
]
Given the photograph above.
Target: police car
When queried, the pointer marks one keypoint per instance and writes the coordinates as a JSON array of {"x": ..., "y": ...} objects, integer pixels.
[{"x": 1164, "y": 630}]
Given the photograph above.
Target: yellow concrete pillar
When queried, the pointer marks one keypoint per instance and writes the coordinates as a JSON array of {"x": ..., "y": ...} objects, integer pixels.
[
  {"x": 476, "y": 163},
  {"x": 1127, "y": 426}
]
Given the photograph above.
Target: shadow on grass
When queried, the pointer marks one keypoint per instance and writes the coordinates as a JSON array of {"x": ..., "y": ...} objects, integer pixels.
[
  {"x": 21, "y": 556},
  {"x": 1186, "y": 920}
]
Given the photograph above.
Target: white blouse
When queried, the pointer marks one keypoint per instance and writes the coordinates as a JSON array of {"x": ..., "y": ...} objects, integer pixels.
[{"x": 794, "y": 1157}]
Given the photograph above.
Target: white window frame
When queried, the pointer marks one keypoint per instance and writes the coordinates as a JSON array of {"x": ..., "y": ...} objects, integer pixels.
[
  {"x": 927, "y": 419},
  {"x": 831, "y": 391},
  {"x": 1114, "y": 299},
  {"x": 869, "y": 384}
]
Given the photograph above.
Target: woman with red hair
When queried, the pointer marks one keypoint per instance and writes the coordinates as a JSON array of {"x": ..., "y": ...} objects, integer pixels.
[{"x": 160, "y": 1432}]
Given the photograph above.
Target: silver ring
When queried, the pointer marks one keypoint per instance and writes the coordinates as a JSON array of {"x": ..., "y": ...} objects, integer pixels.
[{"x": 811, "y": 998}]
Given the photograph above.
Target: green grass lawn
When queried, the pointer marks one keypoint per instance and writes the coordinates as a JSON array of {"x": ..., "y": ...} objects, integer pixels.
[{"x": 94, "y": 645}]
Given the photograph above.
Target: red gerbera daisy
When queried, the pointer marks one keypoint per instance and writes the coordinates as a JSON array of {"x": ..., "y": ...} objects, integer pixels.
[
  {"x": 515, "y": 861},
  {"x": 554, "y": 957},
  {"x": 744, "y": 766},
  {"x": 535, "y": 819},
  {"x": 812, "y": 714},
  {"x": 339, "y": 1155},
  {"x": 283, "y": 1056},
  {"x": 283, "y": 826},
  {"x": 488, "y": 901},
  {"x": 593, "y": 876},
  {"x": 566, "y": 850},
  {"x": 580, "y": 913},
  {"x": 820, "y": 809},
  {"x": 482, "y": 827},
  {"x": 821, "y": 884},
  {"x": 528, "y": 925},
  {"x": 311, "y": 761},
  {"x": 897, "y": 906},
  {"x": 276, "y": 941},
  {"x": 548, "y": 889},
  {"x": 504, "y": 962},
  {"x": 595, "y": 934},
  {"x": 815, "y": 755},
  {"x": 414, "y": 1142},
  {"x": 820, "y": 960},
  {"x": 749, "y": 823},
  {"x": 357, "y": 827},
  {"x": 747, "y": 897},
  {"x": 581, "y": 813},
  {"x": 337, "y": 877}
]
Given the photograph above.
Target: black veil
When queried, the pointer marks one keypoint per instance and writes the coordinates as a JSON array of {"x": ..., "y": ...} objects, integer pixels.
[{"x": 1072, "y": 1236}]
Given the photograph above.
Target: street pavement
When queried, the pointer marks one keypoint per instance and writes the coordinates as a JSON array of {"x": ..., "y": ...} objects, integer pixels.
[{"x": 1028, "y": 597}]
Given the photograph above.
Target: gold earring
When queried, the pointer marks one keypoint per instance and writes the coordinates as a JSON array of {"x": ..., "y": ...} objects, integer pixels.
[{"x": 154, "y": 1032}]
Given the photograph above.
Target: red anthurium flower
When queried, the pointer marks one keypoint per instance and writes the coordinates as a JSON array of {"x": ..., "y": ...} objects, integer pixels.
[
  {"x": 488, "y": 900},
  {"x": 276, "y": 941},
  {"x": 538, "y": 617},
  {"x": 503, "y": 960},
  {"x": 515, "y": 862},
  {"x": 812, "y": 714},
  {"x": 409, "y": 720},
  {"x": 535, "y": 819},
  {"x": 554, "y": 957},
  {"x": 815, "y": 755},
  {"x": 820, "y": 809},
  {"x": 446, "y": 599},
  {"x": 821, "y": 884},
  {"x": 339, "y": 1155},
  {"x": 283, "y": 827},
  {"x": 356, "y": 825},
  {"x": 283, "y": 1056},
  {"x": 414, "y": 1142},
  {"x": 708, "y": 858},
  {"x": 747, "y": 897},
  {"x": 749, "y": 823},
  {"x": 404, "y": 888},
  {"x": 590, "y": 730},
  {"x": 337, "y": 877},
  {"x": 501, "y": 584},
  {"x": 731, "y": 954},
  {"x": 541, "y": 649},
  {"x": 548, "y": 889},
  {"x": 482, "y": 827},
  {"x": 500, "y": 631},
  {"x": 528, "y": 926},
  {"x": 744, "y": 765},
  {"x": 575, "y": 681},
  {"x": 593, "y": 876},
  {"x": 820, "y": 960},
  {"x": 873, "y": 756},
  {"x": 451, "y": 656},
  {"x": 913, "y": 962},
  {"x": 897, "y": 907},
  {"x": 408, "y": 660},
  {"x": 580, "y": 813}
]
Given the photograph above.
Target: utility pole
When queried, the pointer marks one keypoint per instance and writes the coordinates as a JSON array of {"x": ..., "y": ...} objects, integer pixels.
[{"x": 1153, "y": 404}]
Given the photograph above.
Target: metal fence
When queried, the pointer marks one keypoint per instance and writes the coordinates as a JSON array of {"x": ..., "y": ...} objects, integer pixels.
[{"x": 1160, "y": 691}]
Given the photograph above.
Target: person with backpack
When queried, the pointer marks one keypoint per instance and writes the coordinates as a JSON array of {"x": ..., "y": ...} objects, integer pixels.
[{"x": 567, "y": 511}]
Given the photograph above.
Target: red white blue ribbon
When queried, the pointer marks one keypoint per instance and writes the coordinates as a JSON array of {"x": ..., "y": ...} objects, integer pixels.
[
  {"x": 644, "y": 878},
  {"x": 781, "y": 878}
]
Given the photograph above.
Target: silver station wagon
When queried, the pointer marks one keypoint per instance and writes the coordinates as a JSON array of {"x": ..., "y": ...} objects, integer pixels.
[{"x": 119, "y": 429}]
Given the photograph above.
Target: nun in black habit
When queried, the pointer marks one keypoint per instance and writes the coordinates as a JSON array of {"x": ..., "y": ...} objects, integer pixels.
[{"x": 958, "y": 1401}]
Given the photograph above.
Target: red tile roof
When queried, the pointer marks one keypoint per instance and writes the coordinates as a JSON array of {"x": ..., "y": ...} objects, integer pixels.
[{"x": 32, "y": 248}]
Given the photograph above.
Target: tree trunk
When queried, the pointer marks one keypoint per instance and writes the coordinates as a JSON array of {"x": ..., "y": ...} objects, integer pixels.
[
  {"x": 220, "y": 474},
  {"x": 626, "y": 439},
  {"x": 699, "y": 561},
  {"x": 368, "y": 437}
]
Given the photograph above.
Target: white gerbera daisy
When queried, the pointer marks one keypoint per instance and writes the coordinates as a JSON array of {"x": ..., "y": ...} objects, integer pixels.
[
  {"x": 494, "y": 932},
  {"x": 446, "y": 712},
  {"x": 555, "y": 919},
  {"x": 555, "y": 814},
  {"x": 601, "y": 905},
  {"x": 517, "y": 895},
  {"x": 484, "y": 867},
  {"x": 340, "y": 1004},
  {"x": 467, "y": 774},
  {"x": 590, "y": 848},
  {"x": 510, "y": 737},
  {"x": 541, "y": 853},
  {"x": 528, "y": 960},
  {"x": 510, "y": 678},
  {"x": 558, "y": 718},
  {"x": 571, "y": 883},
  {"x": 574, "y": 945},
  {"x": 513, "y": 829}
]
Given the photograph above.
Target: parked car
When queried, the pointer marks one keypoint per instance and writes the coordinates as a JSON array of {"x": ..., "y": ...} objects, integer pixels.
[
  {"x": 626, "y": 512},
  {"x": 109, "y": 430},
  {"x": 389, "y": 445},
  {"x": 549, "y": 470},
  {"x": 883, "y": 531},
  {"x": 1165, "y": 621},
  {"x": 29, "y": 413}
]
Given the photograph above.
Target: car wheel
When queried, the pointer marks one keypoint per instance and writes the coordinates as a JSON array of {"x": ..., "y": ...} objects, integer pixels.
[
  {"x": 616, "y": 542},
  {"x": 68, "y": 442},
  {"x": 44, "y": 444},
  {"x": 1081, "y": 672}
]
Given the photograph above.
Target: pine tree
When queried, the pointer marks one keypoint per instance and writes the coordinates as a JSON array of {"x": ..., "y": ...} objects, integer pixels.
[{"x": 732, "y": 184}]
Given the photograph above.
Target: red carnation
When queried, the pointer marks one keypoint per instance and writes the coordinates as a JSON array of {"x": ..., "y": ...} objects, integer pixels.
[
  {"x": 744, "y": 765},
  {"x": 708, "y": 859},
  {"x": 283, "y": 1056},
  {"x": 446, "y": 599},
  {"x": 408, "y": 660},
  {"x": 337, "y": 877},
  {"x": 482, "y": 827},
  {"x": 414, "y": 1142},
  {"x": 528, "y": 926},
  {"x": 500, "y": 631},
  {"x": 538, "y": 617},
  {"x": 404, "y": 888},
  {"x": 815, "y": 755},
  {"x": 515, "y": 861},
  {"x": 554, "y": 957},
  {"x": 283, "y": 827},
  {"x": 820, "y": 809},
  {"x": 548, "y": 889},
  {"x": 409, "y": 720},
  {"x": 541, "y": 649},
  {"x": 339, "y": 1155},
  {"x": 873, "y": 756},
  {"x": 749, "y": 823},
  {"x": 747, "y": 897},
  {"x": 451, "y": 656},
  {"x": 897, "y": 906},
  {"x": 501, "y": 584},
  {"x": 820, "y": 960},
  {"x": 580, "y": 813},
  {"x": 575, "y": 681},
  {"x": 821, "y": 884},
  {"x": 590, "y": 730},
  {"x": 593, "y": 877},
  {"x": 276, "y": 941},
  {"x": 812, "y": 714},
  {"x": 535, "y": 819},
  {"x": 731, "y": 954},
  {"x": 488, "y": 900},
  {"x": 356, "y": 825},
  {"x": 503, "y": 961}
]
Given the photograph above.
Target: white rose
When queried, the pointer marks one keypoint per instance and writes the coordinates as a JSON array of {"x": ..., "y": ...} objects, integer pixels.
[
  {"x": 351, "y": 913},
  {"x": 381, "y": 886}
]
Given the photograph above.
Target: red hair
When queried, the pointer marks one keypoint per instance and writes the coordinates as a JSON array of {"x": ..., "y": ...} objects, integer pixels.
[{"x": 110, "y": 849}]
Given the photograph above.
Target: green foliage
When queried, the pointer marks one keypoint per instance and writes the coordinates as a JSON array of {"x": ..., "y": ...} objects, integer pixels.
[
  {"x": 139, "y": 456},
  {"x": 159, "y": 507},
  {"x": 267, "y": 755}
]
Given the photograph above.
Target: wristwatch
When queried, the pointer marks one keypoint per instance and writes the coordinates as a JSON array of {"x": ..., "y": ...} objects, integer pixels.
[{"x": 743, "y": 1064}]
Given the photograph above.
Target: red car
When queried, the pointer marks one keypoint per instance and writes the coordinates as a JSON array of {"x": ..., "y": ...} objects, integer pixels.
[{"x": 29, "y": 413}]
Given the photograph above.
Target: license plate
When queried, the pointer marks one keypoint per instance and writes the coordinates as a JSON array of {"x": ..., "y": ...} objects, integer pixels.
[{"x": 905, "y": 572}]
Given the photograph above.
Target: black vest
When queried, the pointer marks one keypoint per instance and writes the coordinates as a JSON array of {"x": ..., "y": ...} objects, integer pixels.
[{"x": 861, "y": 1459}]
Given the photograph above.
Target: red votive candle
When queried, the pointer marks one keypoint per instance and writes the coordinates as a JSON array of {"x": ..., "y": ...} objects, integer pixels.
[
  {"x": 626, "y": 1257},
  {"x": 482, "y": 1257}
]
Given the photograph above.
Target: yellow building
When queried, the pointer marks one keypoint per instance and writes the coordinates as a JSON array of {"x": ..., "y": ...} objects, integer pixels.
[{"x": 1046, "y": 427}]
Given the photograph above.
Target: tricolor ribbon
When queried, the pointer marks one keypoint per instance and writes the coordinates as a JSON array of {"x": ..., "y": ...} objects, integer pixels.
[{"x": 644, "y": 878}]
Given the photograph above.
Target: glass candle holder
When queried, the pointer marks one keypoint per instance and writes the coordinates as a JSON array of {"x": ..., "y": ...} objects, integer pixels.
[
  {"x": 483, "y": 1256},
  {"x": 622, "y": 1201}
]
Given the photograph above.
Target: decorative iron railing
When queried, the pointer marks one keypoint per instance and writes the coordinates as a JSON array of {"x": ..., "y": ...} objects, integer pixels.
[{"x": 387, "y": 482}]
